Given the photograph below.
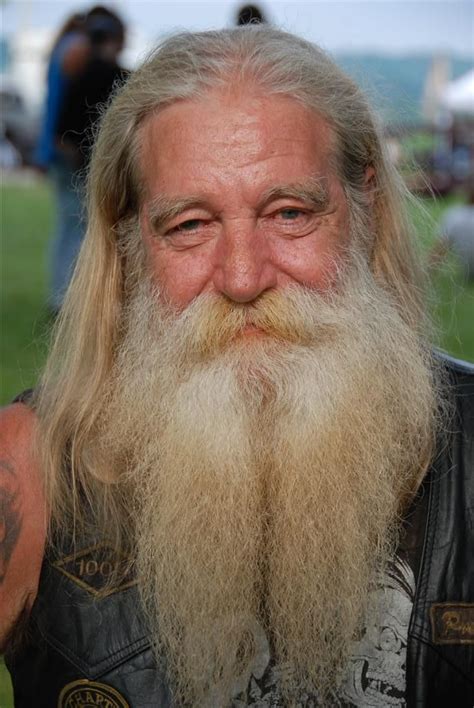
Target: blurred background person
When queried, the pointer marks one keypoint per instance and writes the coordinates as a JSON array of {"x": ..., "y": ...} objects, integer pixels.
[
  {"x": 457, "y": 234},
  {"x": 68, "y": 57},
  {"x": 250, "y": 14},
  {"x": 90, "y": 89},
  {"x": 83, "y": 69}
]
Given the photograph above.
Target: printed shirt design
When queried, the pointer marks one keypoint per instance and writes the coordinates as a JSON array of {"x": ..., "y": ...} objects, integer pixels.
[{"x": 376, "y": 671}]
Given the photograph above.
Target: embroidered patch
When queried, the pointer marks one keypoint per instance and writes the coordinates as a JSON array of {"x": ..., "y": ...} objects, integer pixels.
[
  {"x": 89, "y": 694},
  {"x": 452, "y": 623},
  {"x": 98, "y": 569}
]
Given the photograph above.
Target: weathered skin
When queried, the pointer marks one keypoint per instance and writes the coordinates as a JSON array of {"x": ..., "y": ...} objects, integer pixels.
[
  {"x": 225, "y": 153},
  {"x": 22, "y": 516}
]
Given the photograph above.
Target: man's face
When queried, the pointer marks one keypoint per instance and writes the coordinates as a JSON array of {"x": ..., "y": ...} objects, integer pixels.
[{"x": 240, "y": 198}]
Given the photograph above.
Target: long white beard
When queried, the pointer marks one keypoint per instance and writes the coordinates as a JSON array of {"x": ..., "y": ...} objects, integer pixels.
[{"x": 268, "y": 474}]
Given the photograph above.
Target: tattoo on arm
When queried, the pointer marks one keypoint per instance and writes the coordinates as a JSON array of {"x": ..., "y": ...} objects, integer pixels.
[{"x": 10, "y": 516}]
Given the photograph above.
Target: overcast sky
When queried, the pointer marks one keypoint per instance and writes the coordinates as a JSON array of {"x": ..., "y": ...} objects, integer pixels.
[{"x": 346, "y": 25}]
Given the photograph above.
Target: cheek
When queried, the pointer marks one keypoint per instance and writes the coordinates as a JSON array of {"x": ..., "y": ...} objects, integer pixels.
[
  {"x": 314, "y": 261},
  {"x": 180, "y": 276}
]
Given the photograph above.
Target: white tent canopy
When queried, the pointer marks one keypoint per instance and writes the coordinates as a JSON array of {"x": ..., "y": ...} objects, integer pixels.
[{"x": 458, "y": 98}]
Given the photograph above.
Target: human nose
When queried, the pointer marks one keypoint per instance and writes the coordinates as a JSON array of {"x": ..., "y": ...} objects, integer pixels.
[{"x": 244, "y": 269}]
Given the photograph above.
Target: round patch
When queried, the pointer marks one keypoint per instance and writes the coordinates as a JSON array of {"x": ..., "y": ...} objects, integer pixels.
[{"x": 89, "y": 694}]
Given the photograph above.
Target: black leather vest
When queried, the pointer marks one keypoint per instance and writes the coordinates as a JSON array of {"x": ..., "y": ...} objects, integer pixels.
[
  {"x": 87, "y": 645},
  {"x": 440, "y": 657}
]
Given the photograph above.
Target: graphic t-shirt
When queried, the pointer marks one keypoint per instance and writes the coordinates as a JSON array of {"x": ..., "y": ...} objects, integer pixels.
[{"x": 376, "y": 673}]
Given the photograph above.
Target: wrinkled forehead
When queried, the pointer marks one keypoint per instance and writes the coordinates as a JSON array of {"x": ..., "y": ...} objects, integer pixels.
[{"x": 231, "y": 129}]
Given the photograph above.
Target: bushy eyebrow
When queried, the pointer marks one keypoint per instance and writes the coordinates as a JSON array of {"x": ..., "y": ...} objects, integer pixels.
[
  {"x": 314, "y": 191},
  {"x": 162, "y": 209}
]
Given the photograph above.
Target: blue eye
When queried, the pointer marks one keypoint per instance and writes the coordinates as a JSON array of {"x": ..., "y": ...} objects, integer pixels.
[
  {"x": 189, "y": 225},
  {"x": 290, "y": 214}
]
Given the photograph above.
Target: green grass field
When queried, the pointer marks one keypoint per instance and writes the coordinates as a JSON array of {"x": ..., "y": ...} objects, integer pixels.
[
  {"x": 6, "y": 698},
  {"x": 26, "y": 222},
  {"x": 451, "y": 297}
]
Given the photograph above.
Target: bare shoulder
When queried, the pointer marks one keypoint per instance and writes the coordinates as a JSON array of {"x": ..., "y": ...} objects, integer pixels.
[{"x": 22, "y": 515}]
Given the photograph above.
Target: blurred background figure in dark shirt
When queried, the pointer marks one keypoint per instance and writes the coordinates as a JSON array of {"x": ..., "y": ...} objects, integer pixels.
[
  {"x": 90, "y": 89},
  {"x": 67, "y": 58},
  {"x": 83, "y": 70},
  {"x": 250, "y": 15}
]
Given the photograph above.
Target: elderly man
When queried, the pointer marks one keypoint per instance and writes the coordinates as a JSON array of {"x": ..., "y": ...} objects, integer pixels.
[{"x": 243, "y": 480}]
